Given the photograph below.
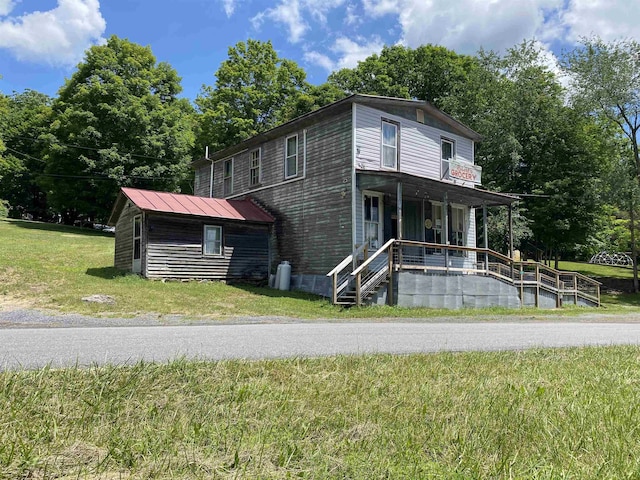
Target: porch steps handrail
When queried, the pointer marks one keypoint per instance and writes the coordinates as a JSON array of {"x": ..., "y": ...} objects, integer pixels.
[{"x": 378, "y": 252}]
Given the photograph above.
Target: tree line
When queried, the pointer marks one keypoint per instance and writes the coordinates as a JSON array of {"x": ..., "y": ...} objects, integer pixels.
[{"x": 565, "y": 141}]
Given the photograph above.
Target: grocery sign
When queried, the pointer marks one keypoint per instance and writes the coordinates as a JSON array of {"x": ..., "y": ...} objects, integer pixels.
[{"x": 465, "y": 171}]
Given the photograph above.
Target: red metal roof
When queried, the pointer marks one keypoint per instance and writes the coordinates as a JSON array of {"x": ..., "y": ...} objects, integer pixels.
[{"x": 165, "y": 202}]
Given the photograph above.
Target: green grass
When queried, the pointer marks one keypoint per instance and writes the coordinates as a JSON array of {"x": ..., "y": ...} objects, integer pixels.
[
  {"x": 591, "y": 270},
  {"x": 52, "y": 267},
  {"x": 566, "y": 413}
]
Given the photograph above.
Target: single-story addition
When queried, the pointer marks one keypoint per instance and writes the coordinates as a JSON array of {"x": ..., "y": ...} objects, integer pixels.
[{"x": 169, "y": 235}]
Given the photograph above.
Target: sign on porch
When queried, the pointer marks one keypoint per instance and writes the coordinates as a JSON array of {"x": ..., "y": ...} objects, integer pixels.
[{"x": 465, "y": 171}]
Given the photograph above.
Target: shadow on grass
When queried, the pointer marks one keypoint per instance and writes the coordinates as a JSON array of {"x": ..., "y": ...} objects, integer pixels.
[
  {"x": 274, "y": 293},
  {"x": 108, "y": 273},
  {"x": 621, "y": 299},
  {"x": 55, "y": 227}
]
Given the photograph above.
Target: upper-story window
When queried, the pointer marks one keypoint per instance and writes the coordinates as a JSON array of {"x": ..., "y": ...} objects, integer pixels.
[
  {"x": 227, "y": 176},
  {"x": 291, "y": 157},
  {"x": 389, "y": 145},
  {"x": 448, "y": 153},
  {"x": 255, "y": 167}
]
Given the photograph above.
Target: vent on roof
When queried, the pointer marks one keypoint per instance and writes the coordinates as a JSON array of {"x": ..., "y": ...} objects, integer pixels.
[{"x": 420, "y": 115}]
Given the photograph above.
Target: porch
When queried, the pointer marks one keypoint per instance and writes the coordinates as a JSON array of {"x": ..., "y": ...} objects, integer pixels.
[{"x": 412, "y": 273}]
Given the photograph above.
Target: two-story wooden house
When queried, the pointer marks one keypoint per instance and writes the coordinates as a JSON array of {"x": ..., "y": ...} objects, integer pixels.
[{"x": 374, "y": 200}]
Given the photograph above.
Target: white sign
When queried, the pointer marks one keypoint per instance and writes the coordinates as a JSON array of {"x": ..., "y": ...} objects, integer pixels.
[{"x": 465, "y": 171}]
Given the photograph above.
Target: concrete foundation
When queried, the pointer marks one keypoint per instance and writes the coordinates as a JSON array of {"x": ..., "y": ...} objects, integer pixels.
[{"x": 454, "y": 291}]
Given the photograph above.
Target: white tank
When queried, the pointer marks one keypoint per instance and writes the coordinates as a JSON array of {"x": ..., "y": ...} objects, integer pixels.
[{"x": 284, "y": 279}]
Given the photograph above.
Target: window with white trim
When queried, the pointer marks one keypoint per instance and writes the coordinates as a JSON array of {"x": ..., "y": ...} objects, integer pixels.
[
  {"x": 438, "y": 224},
  {"x": 255, "y": 167},
  {"x": 389, "y": 145},
  {"x": 212, "y": 244},
  {"x": 373, "y": 220},
  {"x": 447, "y": 153},
  {"x": 458, "y": 226},
  {"x": 291, "y": 157},
  {"x": 227, "y": 176},
  {"x": 137, "y": 237}
]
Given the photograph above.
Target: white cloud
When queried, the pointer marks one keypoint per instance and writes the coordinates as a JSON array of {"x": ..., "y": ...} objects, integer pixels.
[
  {"x": 320, "y": 59},
  {"x": 347, "y": 51},
  {"x": 288, "y": 14},
  {"x": 467, "y": 25},
  {"x": 351, "y": 17},
  {"x": 59, "y": 36},
  {"x": 229, "y": 7},
  {"x": 608, "y": 19},
  {"x": 379, "y": 8},
  {"x": 5, "y": 7}
]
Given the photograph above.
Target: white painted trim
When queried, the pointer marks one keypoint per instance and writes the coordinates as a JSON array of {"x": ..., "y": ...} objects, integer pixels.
[
  {"x": 396, "y": 167},
  {"x": 204, "y": 241},
  {"x": 232, "y": 159},
  {"x": 372, "y": 193},
  {"x": 136, "y": 267},
  {"x": 259, "y": 150},
  {"x": 353, "y": 175},
  {"x": 286, "y": 143}
]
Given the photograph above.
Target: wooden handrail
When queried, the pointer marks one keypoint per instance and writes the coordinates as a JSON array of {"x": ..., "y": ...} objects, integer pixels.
[
  {"x": 372, "y": 257},
  {"x": 347, "y": 260},
  {"x": 454, "y": 247}
]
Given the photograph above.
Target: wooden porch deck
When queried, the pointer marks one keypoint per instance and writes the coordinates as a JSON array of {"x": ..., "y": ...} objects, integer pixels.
[{"x": 360, "y": 276}]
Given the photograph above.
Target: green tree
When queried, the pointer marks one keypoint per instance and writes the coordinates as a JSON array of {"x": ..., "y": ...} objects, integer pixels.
[
  {"x": 116, "y": 122},
  {"x": 27, "y": 117},
  {"x": 428, "y": 72},
  {"x": 255, "y": 90},
  {"x": 605, "y": 80},
  {"x": 534, "y": 144}
]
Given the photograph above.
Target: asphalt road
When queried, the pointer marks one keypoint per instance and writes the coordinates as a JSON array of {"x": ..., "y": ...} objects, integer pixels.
[{"x": 37, "y": 347}]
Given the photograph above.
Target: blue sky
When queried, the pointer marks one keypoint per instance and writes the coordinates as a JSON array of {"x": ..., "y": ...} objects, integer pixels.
[{"x": 41, "y": 41}]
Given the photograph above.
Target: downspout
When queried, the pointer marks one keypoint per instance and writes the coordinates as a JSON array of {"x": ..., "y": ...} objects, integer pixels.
[{"x": 206, "y": 155}]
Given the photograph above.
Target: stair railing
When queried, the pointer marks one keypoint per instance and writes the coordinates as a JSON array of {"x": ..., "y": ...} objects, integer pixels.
[
  {"x": 373, "y": 271},
  {"x": 341, "y": 274}
]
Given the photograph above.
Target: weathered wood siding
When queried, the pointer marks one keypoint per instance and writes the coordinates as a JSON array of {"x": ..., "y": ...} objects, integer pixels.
[
  {"x": 313, "y": 209},
  {"x": 175, "y": 249},
  {"x": 419, "y": 144},
  {"x": 123, "y": 254},
  {"x": 202, "y": 181}
]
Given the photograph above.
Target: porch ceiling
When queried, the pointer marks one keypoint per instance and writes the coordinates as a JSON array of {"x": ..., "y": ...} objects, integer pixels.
[{"x": 429, "y": 189}]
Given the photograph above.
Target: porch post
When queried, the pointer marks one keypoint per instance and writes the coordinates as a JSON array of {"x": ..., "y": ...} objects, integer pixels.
[
  {"x": 485, "y": 231},
  {"x": 399, "y": 223},
  {"x": 399, "y": 212},
  {"x": 445, "y": 228},
  {"x": 511, "y": 247},
  {"x": 511, "y": 231}
]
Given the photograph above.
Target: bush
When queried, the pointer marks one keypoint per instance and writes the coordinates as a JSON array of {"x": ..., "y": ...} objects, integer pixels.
[{"x": 4, "y": 208}]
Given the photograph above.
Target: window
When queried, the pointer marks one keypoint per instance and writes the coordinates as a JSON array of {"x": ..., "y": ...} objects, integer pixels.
[
  {"x": 373, "y": 220},
  {"x": 254, "y": 168},
  {"x": 438, "y": 223},
  {"x": 212, "y": 240},
  {"x": 458, "y": 224},
  {"x": 137, "y": 244},
  {"x": 291, "y": 157},
  {"x": 228, "y": 177},
  {"x": 389, "y": 145},
  {"x": 448, "y": 153}
]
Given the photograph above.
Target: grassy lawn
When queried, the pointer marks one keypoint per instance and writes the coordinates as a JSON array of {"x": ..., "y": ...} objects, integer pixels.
[
  {"x": 53, "y": 267},
  {"x": 591, "y": 270},
  {"x": 566, "y": 413}
]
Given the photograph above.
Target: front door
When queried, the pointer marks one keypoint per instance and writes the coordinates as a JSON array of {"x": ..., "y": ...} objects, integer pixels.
[
  {"x": 373, "y": 219},
  {"x": 136, "y": 266}
]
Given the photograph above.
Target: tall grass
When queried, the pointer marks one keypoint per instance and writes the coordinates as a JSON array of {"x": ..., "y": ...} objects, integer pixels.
[{"x": 567, "y": 413}]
